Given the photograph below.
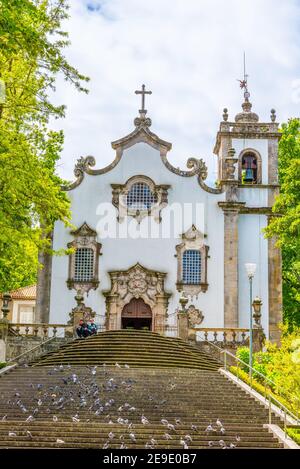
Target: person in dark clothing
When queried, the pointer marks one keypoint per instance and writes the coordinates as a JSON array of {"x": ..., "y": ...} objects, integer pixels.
[
  {"x": 92, "y": 328},
  {"x": 80, "y": 329}
]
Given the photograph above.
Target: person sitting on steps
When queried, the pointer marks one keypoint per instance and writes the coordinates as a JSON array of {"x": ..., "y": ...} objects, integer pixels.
[{"x": 92, "y": 328}]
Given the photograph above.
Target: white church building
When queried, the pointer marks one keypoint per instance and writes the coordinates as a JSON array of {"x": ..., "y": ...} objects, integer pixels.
[{"x": 145, "y": 232}]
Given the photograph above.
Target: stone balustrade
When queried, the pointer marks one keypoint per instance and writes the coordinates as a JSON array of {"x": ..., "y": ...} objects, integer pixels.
[
  {"x": 40, "y": 330},
  {"x": 221, "y": 335}
]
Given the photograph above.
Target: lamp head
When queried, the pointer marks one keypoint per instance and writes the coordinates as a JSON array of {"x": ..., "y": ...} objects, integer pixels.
[{"x": 250, "y": 269}]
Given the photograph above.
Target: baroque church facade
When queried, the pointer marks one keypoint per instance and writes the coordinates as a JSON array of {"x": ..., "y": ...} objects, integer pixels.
[{"x": 145, "y": 233}]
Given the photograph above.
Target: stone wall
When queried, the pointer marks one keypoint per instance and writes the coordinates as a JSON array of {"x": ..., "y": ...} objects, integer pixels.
[{"x": 16, "y": 346}]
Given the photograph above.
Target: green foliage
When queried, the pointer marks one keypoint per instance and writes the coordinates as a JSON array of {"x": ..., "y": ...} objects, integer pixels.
[
  {"x": 259, "y": 387},
  {"x": 2, "y": 365},
  {"x": 31, "y": 199},
  {"x": 286, "y": 227},
  {"x": 243, "y": 354},
  {"x": 281, "y": 365},
  {"x": 294, "y": 433}
]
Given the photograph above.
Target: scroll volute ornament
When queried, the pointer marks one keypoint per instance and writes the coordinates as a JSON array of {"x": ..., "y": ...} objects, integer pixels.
[{"x": 195, "y": 316}]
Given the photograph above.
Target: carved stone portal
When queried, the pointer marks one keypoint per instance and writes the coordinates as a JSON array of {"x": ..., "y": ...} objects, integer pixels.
[{"x": 137, "y": 282}]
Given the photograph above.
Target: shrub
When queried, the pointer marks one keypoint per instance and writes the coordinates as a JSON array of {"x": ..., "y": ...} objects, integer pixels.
[{"x": 294, "y": 433}]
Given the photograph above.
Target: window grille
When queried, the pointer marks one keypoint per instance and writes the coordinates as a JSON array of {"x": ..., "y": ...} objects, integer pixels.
[
  {"x": 191, "y": 267},
  {"x": 84, "y": 265},
  {"x": 140, "y": 197}
]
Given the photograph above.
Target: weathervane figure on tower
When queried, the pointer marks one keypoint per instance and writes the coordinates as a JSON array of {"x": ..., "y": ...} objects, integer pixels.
[{"x": 244, "y": 82}]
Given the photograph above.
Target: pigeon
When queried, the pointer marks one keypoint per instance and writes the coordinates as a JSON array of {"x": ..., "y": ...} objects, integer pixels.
[
  {"x": 177, "y": 421},
  {"x": 39, "y": 402},
  {"x": 12, "y": 434},
  {"x": 149, "y": 446},
  {"x": 194, "y": 428},
  {"x": 123, "y": 446},
  {"x": 132, "y": 437},
  {"x": 222, "y": 443},
  {"x": 219, "y": 423},
  {"x": 59, "y": 441},
  {"x": 117, "y": 365},
  {"x": 238, "y": 438},
  {"x": 75, "y": 419},
  {"x": 210, "y": 443},
  {"x": 29, "y": 419},
  {"x": 188, "y": 438},
  {"x": 126, "y": 366},
  {"x": 153, "y": 442},
  {"x": 209, "y": 428},
  {"x": 106, "y": 445},
  {"x": 28, "y": 433},
  {"x": 167, "y": 436},
  {"x": 171, "y": 427},
  {"x": 232, "y": 446},
  {"x": 4, "y": 418},
  {"x": 164, "y": 421},
  {"x": 54, "y": 418},
  {"x": 222, "y": 430},
  {"x": 184, "y": 444},
  {"x": 144, "y": 420},
  {"x": 111, "y": 435}
]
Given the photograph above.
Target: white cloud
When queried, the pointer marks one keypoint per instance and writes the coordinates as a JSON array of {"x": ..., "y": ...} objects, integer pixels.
[{"x": 189, "y": 53}]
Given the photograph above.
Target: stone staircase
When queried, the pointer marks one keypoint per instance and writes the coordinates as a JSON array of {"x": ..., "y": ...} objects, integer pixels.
[
  {"x": 75, "y": 401},
  {"x": 133, "y": 347}
]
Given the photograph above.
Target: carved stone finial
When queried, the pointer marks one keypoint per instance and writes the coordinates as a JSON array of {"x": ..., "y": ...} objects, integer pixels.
[
  {"x": 142, "y": 121},
  {"x": 183, "y": 300},
  {"x": 79, "y": 298},
  {"x": 230, "y": 161},
  {"x": 273, "y": 115},
  {"x": 225, "y": 114}
]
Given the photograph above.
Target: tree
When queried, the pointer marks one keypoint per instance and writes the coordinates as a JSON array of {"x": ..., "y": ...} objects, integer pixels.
[
  {"x": 286, "y": 226},
  {"x": 31, "y": 199}
]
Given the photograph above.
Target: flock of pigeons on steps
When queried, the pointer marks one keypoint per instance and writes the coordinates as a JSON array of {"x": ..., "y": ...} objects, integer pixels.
[{"x": 95, "y": 392}]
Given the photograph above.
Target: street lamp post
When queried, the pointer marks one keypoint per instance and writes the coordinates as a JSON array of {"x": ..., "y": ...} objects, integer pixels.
[{"x": 250, "y": 269}]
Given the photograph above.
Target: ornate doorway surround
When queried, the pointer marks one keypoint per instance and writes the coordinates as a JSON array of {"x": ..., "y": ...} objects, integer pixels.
[{"x": 137, "y": 282}]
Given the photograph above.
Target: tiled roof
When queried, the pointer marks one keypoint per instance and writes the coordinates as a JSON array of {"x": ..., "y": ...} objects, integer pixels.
[{"x": 24, "y": 293}]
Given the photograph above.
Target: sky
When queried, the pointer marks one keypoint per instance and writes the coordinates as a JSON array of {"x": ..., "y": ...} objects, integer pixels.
[{"x": 189, "y": 53}]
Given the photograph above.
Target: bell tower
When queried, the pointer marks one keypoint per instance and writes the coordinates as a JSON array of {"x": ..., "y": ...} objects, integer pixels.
[{"x": 256, "y": 181}]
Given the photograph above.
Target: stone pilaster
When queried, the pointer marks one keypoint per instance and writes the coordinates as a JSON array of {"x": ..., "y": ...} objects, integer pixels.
[
  {"x": 273, "y": 161},
  {"x": 43, "y": 286},
  {"x": 231, "y": 213},
  {"x": 274, "y": 253},
  {"x": 275, "y": 289}
]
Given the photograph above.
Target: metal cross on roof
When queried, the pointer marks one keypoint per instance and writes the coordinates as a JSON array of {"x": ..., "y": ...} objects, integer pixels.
[{"x": 143, "y": 92}]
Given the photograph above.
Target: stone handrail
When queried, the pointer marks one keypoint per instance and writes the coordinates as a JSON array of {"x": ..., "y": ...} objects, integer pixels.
[{"x": 38, "y": 329}]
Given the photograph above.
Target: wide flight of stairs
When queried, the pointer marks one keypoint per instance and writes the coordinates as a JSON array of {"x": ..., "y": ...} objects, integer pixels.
[
  {"x": 133, "y": 347},
  {"x": 163, "y": 378}
]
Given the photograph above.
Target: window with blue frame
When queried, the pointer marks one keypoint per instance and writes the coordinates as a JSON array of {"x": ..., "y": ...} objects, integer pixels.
[{"x": 191, "y": 267}]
